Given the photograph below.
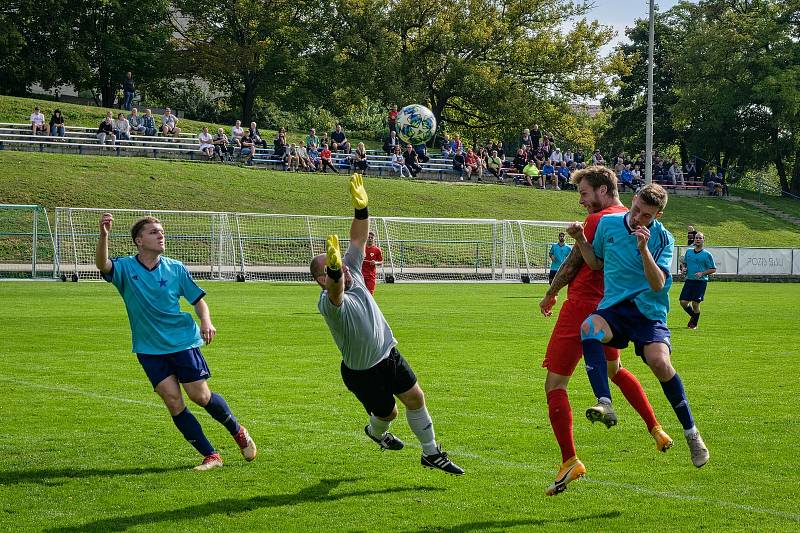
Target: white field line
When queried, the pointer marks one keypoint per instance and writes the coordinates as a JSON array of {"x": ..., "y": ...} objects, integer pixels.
[{"x": 489, "y": 460}]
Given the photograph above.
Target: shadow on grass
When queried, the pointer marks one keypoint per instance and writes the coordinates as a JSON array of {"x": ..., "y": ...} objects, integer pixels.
[
  {"x": 59, "y": 476},
  {"x": 319, "y": 492},
  {"x": 501, "y": 525}
]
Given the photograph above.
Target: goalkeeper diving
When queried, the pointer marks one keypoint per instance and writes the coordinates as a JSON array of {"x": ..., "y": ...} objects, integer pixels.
[{"x": 372, "y": 367}]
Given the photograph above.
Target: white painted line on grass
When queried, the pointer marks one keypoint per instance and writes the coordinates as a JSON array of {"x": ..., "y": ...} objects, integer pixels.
[{"x": 510, "y": 464}]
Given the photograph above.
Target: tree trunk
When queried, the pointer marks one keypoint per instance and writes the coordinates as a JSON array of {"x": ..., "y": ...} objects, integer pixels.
[
  {"x": 795, "y": 185},
  {"x": 248, "y": 100},
  {"x": 781, "y": 168},
  {"x": 107, "y": 94}
]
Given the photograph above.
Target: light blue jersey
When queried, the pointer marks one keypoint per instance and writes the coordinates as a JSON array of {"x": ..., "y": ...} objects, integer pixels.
[
  {"x": 152, "y": 298},
  {"x": 698, "y": 262},
  {"x": 559, "y": 253},
  {"x": 623, "y": 270}
]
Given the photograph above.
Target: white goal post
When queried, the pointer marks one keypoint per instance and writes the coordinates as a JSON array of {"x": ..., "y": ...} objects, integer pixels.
[{"x": 271, "y": 247}]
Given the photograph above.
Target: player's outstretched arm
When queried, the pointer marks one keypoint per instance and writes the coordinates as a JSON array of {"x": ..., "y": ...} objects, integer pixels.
[
  {"x": 567, "y": 272},
  {"x": 334, "y": 282},
  {"x": 207, "y": 329},
  {"x": 575, "y": 230},
  {"x": 359, "y": 229},
  {"x": 101, "y": 259}
]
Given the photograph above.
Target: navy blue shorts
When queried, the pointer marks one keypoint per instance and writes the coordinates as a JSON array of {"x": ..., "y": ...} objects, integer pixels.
[
  {"x": 628, "y": 324},
  {"x": 694, "y": 290},
  {"x": 186, "y": 365}
]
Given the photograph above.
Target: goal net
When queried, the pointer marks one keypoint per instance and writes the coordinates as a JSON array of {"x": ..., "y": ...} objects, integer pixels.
[{"x": 26, "y": 242}]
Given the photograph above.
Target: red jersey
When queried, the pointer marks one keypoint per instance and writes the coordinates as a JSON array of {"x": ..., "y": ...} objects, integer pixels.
[
  {"x": 368, "y": 269},
  {"x": 587, "y": 286}
]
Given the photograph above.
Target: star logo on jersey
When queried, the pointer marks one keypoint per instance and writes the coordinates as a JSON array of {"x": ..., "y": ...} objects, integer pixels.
[{"x": 162, "y": 283}]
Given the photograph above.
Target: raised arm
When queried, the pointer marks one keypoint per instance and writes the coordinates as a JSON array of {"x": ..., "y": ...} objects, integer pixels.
[
  {"x": 656, "y": 277},
  {"x": 359, "y": 229},
  {"x": 575, "y": 230},
  {"x": 567, "y": 272},
  {"x": 334, "y": 281},
  {"x": 101, "y": 259}
]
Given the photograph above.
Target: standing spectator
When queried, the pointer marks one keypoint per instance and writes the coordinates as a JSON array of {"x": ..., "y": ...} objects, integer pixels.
[
  {"x": 248, "y": 148},
  {"x": 422, "y": 153},
  {"x": 373, "y": 258},
  {"x": 105, "y": 132},
  {"x": 412, "y": 161},
  {"x": 459, "y": 163},
  {"x": 391, "y": 143},
  {"x": 37, "y": 122},
  {"x": 169, "y": 123},
  {"x": 531, "y": 171},
  {"x": 221, "y": 146},
  {"x": 128, "y": 89},
  {"x": 340, "y": 142},
  {"x": 359, "y": 158},
  {"x": 149, "y": 123},
  {"x": 255, "y": 136},
  {"x": 206, "y": 143},
  {"x": 135, "y": 121},
  {"x": 326, "y": 159},
  {"x": 536, "y": 137},
  {"x": 392, "y": 119},
  {"x": 525, "y": 140},
  {"x": 57, "y": 124},
  {"x": 237, "y": 132},
  {"x": 312, "y": 138},
  {"x": 122, "y": 128},
  {"x": 473, "y": 165}
]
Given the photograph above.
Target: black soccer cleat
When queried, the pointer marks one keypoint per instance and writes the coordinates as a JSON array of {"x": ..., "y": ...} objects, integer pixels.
[
  {"x": 440, "y": 461},
  {"x": 387, "y": 442}
]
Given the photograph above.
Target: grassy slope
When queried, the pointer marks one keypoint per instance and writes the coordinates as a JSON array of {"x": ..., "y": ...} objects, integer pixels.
[
  {"x": 18, "y": 110},
  {"x": 139, "y": 183},
  {"x": 88, "y": 447}
]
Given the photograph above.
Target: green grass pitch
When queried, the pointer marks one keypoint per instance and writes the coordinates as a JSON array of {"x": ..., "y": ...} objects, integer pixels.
[{"x": 86, "y": 445}]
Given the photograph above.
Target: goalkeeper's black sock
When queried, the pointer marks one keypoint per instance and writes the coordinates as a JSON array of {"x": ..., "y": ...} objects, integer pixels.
[
  {"x": 689, "y": 311},
  {"x": 696, "y": 318}
]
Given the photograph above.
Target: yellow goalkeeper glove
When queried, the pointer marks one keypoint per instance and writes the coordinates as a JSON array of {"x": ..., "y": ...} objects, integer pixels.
[
  {"x": 333, "y": 256},
  {"x": 357, "y": 191}
]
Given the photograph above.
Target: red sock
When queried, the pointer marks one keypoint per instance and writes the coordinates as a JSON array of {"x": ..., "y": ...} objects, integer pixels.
[
  {"x": 561, "y": 419},
  {"x": 633, "y": 392}
]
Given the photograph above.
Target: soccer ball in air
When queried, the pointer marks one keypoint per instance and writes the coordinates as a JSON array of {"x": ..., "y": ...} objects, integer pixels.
[{"x": 416, "y": 124}]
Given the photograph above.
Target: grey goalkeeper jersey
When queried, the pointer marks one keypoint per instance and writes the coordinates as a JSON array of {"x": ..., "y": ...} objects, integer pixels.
[{"x": 358, "y": 326}]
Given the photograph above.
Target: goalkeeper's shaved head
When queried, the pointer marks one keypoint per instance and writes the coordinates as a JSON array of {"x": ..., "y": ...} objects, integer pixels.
[{"x": 317, "y": 267}]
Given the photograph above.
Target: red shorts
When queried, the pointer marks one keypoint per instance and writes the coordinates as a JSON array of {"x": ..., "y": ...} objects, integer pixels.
[
  {"x": 564, "y": 351},
  {"x": 370, "y": 283}
]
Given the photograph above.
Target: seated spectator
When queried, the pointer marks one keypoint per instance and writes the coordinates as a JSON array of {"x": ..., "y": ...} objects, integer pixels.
[
  {"x": 248, "y": 148},
  {"x": 399, "y": 163},
  {"x": 579, "y": 157},
  {"x": 391, "y": 142},
  {"x": 473, "y": 165},
  {"x": 255, "y": 136},
  {"x": 339, "y": 142},
  {"x": 292, "y": 158},
  {"x": 169, "y": 123},
  {"x": 324, "y": 139},
  {"x": 221, "y": 146},
  {"x": 312, "y": 138},
  {"x": 305, "y": 162},
  {"x": 105, "y": 132},
  {"x": 122, "y": 128},
  {"x": 412, "y": 161},
  {"x": 691, "y": 170},
  {"x": 456, "y": 144},
  {"x": 37, "y": 122},
  {"x": 279, "y": 146},
  {"x": 495, "y": 165},
  {"x": 556, "y": 156},
  {"x": 237, "y": 132},
  {"x": 531, "y": 171},
  {"x": 313, "y": 156},
  {"x": 149, "y": 123},
  {"x": 563, "y": 176},
  {"x": 57, "y": 124},
  {"x": 206, "y": 143},
  {"x": 445, "y": 147},
  {"x": 569, "y": 157},
  {"x": 136, "y": 123},
  {"x": 326, "y": 159},
  {"x": 626, "y": 179},
  {"x": 422, "y": 153},
  {"x": 714, "y": 183},
  {"x": 675, "y": 174},
  {"x": 459, "y": 163},
  {"x": 549, "y": 173},
  {"x": 359, "y": 158},
  {"x": 520, "y": 160},
  {"x": 597, "y": 158}
]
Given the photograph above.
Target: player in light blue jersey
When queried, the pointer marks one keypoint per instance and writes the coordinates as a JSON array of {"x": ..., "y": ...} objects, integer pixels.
[
  {"x": 559, "y": 251},
  {"x": 635, "y": 252},
  {"x": 697, "y": 263},
  {"x": 166, "y": 340}
]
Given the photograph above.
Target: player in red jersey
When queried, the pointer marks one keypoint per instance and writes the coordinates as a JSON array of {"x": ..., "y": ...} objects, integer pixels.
[
  {"x": 373, "y": 256},
  {"x": 598, "y": 194}
]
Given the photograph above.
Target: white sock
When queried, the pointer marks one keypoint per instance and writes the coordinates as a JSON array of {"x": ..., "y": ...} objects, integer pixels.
[
  {"x": 421, "y": 424},
  {"x": 691, "y": 431},
  {"x": 378, "y": 427}
]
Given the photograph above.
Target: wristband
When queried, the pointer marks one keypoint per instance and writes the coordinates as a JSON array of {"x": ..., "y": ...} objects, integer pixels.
[
  {"x": 335, "y": 275},
  {"x": 362, "y": 214}
]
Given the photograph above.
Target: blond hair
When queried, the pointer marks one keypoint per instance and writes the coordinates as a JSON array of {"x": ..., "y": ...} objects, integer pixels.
[{"x": 597, "y": 176}]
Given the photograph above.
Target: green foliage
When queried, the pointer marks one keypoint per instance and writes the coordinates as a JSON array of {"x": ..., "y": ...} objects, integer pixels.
[{"x": 193, "y": 100}]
